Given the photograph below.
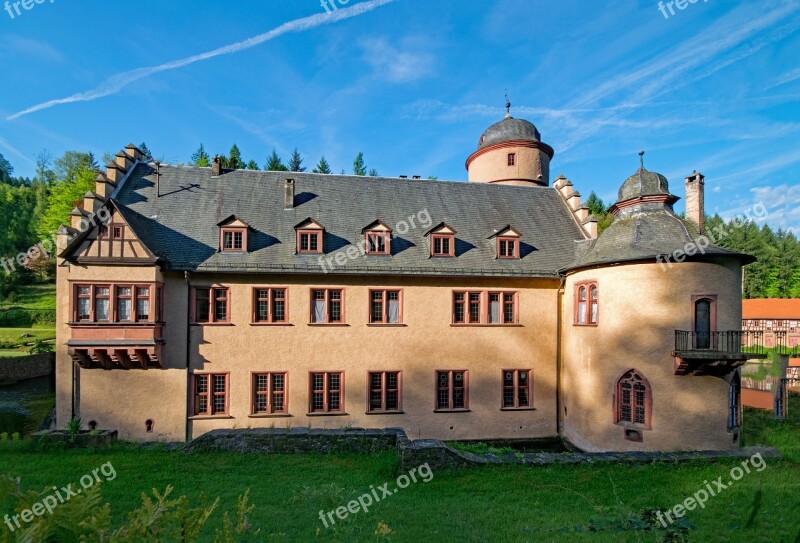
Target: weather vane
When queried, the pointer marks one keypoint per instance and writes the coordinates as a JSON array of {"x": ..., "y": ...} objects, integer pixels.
[
  {"x": 641, "y": 158},
  {"x": 508, "y": 105}
]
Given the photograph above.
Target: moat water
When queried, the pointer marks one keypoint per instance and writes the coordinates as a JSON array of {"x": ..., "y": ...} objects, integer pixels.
[{"x": 24, "y": 405}]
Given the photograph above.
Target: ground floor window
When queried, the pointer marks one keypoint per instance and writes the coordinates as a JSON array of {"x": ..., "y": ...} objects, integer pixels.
[
  {"x": 384, "y": 391},
  {"x": 326, "y": 392},
  {"x": 269, "y": 393},
  {"x": 517, "y": 386},
  {"x": 451, "y": 390},
  {"x": 633, "y": 400},
  {"x": 211, "y": 394}
]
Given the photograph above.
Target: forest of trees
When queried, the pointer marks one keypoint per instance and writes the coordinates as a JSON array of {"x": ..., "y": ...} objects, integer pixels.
[{"x": 31, "y": 209}]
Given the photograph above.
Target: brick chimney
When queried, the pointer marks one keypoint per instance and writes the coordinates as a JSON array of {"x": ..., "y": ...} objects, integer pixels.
[
  {"x": 695, "y": 206},
  {"x": 288, "y": 194},
  {"x": 216, "y": 167}
]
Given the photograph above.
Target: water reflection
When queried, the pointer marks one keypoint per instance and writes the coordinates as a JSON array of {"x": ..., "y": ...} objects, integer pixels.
[{"x": 24, "y": 405}]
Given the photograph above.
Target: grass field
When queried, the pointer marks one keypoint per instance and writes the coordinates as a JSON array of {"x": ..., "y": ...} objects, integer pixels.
[
  {"x": 39, "y": 297},
  {"x": 483, "y": 504},
  {"x": 13, "y": 339}
]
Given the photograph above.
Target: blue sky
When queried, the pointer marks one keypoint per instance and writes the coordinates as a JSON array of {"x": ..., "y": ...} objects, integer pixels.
[{"x": 413, "y": 84}]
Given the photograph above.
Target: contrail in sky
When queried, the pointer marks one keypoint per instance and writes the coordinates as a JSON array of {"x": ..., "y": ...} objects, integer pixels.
[{"x": 117, "y": 82}]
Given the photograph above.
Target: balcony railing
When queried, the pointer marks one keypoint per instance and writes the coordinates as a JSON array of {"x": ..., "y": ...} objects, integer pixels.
[{"x": 734, "y": 342}]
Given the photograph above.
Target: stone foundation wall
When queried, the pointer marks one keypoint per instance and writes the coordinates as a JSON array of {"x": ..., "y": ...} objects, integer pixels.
[{"x": 21, "y": 368}]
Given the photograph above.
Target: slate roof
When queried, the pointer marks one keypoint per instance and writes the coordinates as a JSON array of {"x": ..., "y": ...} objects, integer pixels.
[
  {"x": 643, "y": 183},
  {"x": 509, "y": 129},
  {"x": 180, "y": 226}
]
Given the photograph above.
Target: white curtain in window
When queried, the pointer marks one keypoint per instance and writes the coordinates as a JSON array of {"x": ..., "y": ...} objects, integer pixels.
[
  {"x": 494, "y": 312},
  {"x": 394, "y": 311},
  {"x": 319, "y": 310},
  {"x": 593, "y": 317},
  {"x": 581, "y": 312}
]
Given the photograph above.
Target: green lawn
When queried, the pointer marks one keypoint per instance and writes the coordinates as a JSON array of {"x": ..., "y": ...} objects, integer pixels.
[{"x": 32, "y": 297}]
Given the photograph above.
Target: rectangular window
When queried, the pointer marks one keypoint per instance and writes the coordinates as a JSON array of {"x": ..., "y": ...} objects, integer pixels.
[
  {"x": 210, "y": 394},
  {"x": 84, "y": 305},
  {"x": 385, "y": 306},
  {"x": 478, "y": 307},
  {"x": 309, "y": 241},
  {"x": 119, "y": 232},
  {"x": 233, "y": 240},
  {"x": 102, "y": 303},
  {"x": 378, "y": 243},
  {"x": 442, "y": 245},
  {"x": 327, "y": 306},
  {"x": 326, "y": 392},
  {"x": 269, "y": 394},
  {"x": 512, "y": 159},
  {"x": 384, "y": 391},
  {"x": 458, "y": 308},
  {"x": 517, "y": 388},
  {"x": 142, "y": 304},
  {"x": 269, "y": 305},
  {"x": 124, "y": 303},
  {"x": 451, "y": 390},
  {"x": 211, "y": 305},
  {"x": 474, "y": 307},
  {"x": 507, "y": 248},
  {"x": 102, "y": 232}
]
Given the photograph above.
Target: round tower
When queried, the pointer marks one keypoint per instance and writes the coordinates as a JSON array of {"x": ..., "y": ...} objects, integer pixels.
[{"x": 511, "y": 152}]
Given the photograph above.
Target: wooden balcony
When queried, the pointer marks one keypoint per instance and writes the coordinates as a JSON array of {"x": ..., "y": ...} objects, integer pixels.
[{"x": 716, "y": 353}]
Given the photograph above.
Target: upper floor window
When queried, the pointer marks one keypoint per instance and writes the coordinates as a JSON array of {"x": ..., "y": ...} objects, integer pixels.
[
  {"x": 633, "y": 400},
  {"x": 269, "y": 305},
  {"x": 309, "y": 237},
  {"x": 210, "y": 394},
  {"x": 269, "y": 394},
  {"x": 114, "y": 303},
  {"x": 211, "y": 305},
  {"x": 118, "y": 232},
  {"x": 512, "y": 159},
  {"x": 451, "y": 390},
  {"x": 233, "y": 235},
  {"x": 385, "y": 306},
  {"x": 586, "y": 303},
  {"x": 384, "y": 391},
  {"x": 481, "y": 307},
  {"x": 507, "y": 242},
  {"x": 442, "y": 240},
  {"x": 378, "y": 238},
  {"x": 517, "y": 386},
  {"x": 327, "y": 306}
]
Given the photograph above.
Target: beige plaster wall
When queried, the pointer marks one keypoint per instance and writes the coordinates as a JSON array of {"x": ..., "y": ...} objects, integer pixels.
[
  {"x": 493, "y": 166},
  {"x": 640, "y": 307}
]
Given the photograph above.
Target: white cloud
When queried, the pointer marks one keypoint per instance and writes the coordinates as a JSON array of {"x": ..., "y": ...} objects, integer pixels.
[{"x": 408, "y": 61}]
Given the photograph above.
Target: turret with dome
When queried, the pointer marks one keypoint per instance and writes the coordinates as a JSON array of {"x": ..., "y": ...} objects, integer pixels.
[{"x": 511, "y": 152}]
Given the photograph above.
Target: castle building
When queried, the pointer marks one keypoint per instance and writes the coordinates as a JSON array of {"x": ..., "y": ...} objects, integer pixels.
[{"x": 192, "y": 299}]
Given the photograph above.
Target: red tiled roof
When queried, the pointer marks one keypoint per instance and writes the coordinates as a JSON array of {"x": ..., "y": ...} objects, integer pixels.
[
  {"x": 771, "y": 308},
  {"x": 794, "y": 362}
]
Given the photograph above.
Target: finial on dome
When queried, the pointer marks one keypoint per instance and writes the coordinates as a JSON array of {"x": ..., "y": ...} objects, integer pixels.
[
  {"x": 508, "y": 106},
  {"x": 641, "y": 158}
]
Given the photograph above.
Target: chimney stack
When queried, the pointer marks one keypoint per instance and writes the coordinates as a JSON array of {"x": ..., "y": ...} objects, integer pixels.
[
  {"x": 216, "y": 167},
  {"x": 288, "y": 194},
  {"x": 695, "y": 205}
]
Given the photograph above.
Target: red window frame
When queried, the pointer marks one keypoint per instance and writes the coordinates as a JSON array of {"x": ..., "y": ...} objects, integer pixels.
[
  {"x": 633, "y": 401},
  {"x": 473, "y": 307},
  {"x": 276, "y": 300},
  {"x": 514, "y": 383},
  {"x": 118, "y": 232},
  {"x": 380, "y": 390},
  {"x": 379, "y": 302},
  {"x": 374, "y": 239},
  {"x": 446, "y": 391},
  {"x": 139, "y": 297},
  {"x": 269, "y": 389},
  {"x": 207, "y": 396},
  {"x": 321, "y": 389},
  {"x": 102, "y": 232},
  {"x": 215, "y": 296},
  {"x": 118, "y": 296},
  {"x": 313, "y": 238},
  {"x": 512, "y": 159},
  {"x": 443, "y": 245},
  {"x": 79, "y": 293},
  {"x": 507, "y": 247},
  {"x": 587, "y": 303},
  {"x": 329, "y": 296},
  {"x": 227, "y": 235}
]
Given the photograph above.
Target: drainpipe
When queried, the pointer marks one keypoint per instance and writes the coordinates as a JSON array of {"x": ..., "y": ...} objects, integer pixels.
[
  {"x": 559, "y": 309},
  {"x": 188, "y": 353}
]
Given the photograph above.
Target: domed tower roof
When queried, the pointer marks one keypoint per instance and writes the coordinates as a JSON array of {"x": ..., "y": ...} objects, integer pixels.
[
  {"x": 645, "y": 227},
  {"x": 509, "y": 129}
]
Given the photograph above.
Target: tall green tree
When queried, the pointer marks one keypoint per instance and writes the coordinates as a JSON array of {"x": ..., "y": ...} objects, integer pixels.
[
  {"x": 6, "y": 170},
  {"x": 68, "y": 167},
  {"x": 235, "y": 158},
  {"x": 296, "y": 162},
  {"x": 75, "y": 175},
  {"x": 148, "y": 156},
  {"x": 252, "y": 165},
  {"x": 322, "y": 166},
  {"x": 275, "y": 164},
  {"x": 359, "y": 168},
  {"x": 200, "y": 157}
]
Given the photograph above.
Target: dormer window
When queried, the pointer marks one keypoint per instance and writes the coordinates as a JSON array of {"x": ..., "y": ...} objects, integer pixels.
[
  {"x": 309, "y": 237},
  {"x": 507, "y": 243},
  {"x": 233, "y": 235},
  {"x": 378, "y": 239},
  {"x": 443, "y": 240}
]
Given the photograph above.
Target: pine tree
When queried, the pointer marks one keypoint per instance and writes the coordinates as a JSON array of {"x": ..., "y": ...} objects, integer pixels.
[
  {"x": 373, "y": 173},
  {"x": 295, "y": 163},
  {"x": 200, "y": 157},
  {"x": 275, "y": 164},
  {"x": 148, "y": 156},
  {"x": 359, "y": 168},
  {"x": 252, "y": 165},
  {"x": 322, "y": 166},
  {"x": 235, "y": 158}
]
